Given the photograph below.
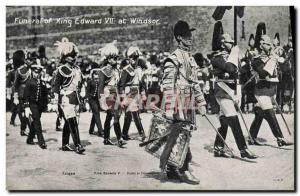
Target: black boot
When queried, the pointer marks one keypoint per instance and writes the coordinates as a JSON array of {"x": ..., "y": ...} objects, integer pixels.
[
  {"x": 117, "y": 129},
  {"x": 92, "y": 125},
  {"x": 107, "y": 125},
  {"x": 248, "y": 154},
  {"x": 270, "y": 116},
  {"x": 75, "y": 135},
  {"x": 234, "y": 123},
  {"x": 67, "y": 147},
  {"x": 30, "y": 142},
  {"x": 66, "y": 135},
  {"x": 189, "y": 178},
  {"x": 139, "y": 126},
  {"x": 126, "y": 126},
  {"x": 283, "y": 142},
  {"x": 121, "y": 143},
  {"x": 43, "y": 146},
  {"x": 221, "y": 153},
  {"x": 255, "y": 126},
  {"x": 98, "y": 124},
  {"x": 219, "y": 144},
  {"x": 22, "y": 133},
  {"x": 108, "y": 142}
]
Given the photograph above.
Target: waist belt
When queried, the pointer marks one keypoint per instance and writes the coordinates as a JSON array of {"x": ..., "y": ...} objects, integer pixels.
[
  {"x": 66, "y": 92},
  {"x": 230, "y": 81}
]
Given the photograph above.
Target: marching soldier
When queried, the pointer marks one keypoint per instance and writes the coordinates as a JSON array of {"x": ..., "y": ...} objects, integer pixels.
[
  {"x": 179, "y": 81},
  {"x": 225, "y": 64},
  {"x": 10, "y": 75},
  {"x": 36, "y": 99},
  {"x": 265, "y": 64},
  {"x": 109, "y": 99},
  {"x": 289, "y": 56},
  {"x": 155, "y": 79},
  {"x": 66, "y": 90},
  {"x": 285, "y": 76},
  {"x": 131, "y": 87},
  {"x": 92, "y": 92},
  {"x": 248, "y": 98},
  {"x": 22, "y": 74},
  {"x": 281, "y": 69}
]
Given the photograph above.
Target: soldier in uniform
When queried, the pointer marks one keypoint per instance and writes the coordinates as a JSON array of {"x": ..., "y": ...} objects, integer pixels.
[
  {"x": 66, "y": 90},
  {"x": 179, "y": 81},
  {"x": 285, "y": 76},
  {"x": 155, "y": 79},
  {"x": 248, "y": 98},
  {"x": 92, "y": 92},
  {"x": 22, "y": 74},
  {"x": 108, "y": 81},
  {"x": 265, "y": 64},
  {"x": 36, "y": 100},
  {"x": 225, "y": 64},
  {"x": 282, "y": 68},
  {"x": 290, "y": 74},
  {"x": 10, "y": 75},
  {"x": 131, "y": 87}
]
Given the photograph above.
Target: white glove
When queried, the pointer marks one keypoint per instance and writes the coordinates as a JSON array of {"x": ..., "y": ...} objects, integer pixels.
[
  {"x": 82, "y": 94},
  {"x": 202, "y": 110},
  {"x": 55, "y": 107},
  {"x": 16, "y": 101},
  {"x": 55, "y": 101},
  {"x": 27, "y": 112}
]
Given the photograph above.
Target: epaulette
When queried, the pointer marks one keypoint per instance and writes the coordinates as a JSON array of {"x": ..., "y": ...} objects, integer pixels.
[
  {"x": 107, "y": 71},
  {"x": 173, "y": 59},
  {"x": 129, "y": 69},
  {"x": 65, "y": 71},
  {"x": 23, "y": 70}
]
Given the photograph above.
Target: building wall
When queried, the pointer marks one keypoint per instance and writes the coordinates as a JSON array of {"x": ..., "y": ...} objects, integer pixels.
[{"x": 91, "y": 37}]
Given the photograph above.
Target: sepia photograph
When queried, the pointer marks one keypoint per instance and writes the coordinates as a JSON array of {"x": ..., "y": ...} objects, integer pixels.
[{"x": 150, "y": 98}]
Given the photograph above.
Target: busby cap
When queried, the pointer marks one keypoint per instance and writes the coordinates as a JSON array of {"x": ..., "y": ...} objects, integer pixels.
[
  {"x": 18, "y": 58},
  {"x": 182, "y": 28}
]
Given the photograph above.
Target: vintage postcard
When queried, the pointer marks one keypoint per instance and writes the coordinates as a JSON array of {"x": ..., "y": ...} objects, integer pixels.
[{"x": 150, "y": 98}]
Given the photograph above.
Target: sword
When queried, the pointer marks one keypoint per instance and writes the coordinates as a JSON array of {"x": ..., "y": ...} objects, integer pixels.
[
  {"x": 278, "y": 108},
  {"x": 154, "y": 139}
]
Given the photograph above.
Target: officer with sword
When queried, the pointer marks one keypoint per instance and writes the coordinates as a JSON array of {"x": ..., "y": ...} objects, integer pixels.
[
  {"x": 226, "y": 65},
  {"x": 265, "y": 65}
]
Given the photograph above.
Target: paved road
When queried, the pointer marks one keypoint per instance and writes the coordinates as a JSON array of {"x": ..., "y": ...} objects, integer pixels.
[{"x": 131, "y": 168}]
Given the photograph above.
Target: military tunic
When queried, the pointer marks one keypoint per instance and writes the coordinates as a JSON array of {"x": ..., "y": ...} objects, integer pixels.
[{"x": 36, "y": 98}]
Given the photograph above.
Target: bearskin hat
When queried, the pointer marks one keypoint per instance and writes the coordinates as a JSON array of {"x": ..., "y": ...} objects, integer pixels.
[
  {"x": 276, "y": 40},
  {"x": 18, "y": 58},
  {"x": 218, "y": 32},
  {"x": 251, "y": 39},
  {"x": 260, "y": 31}
]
